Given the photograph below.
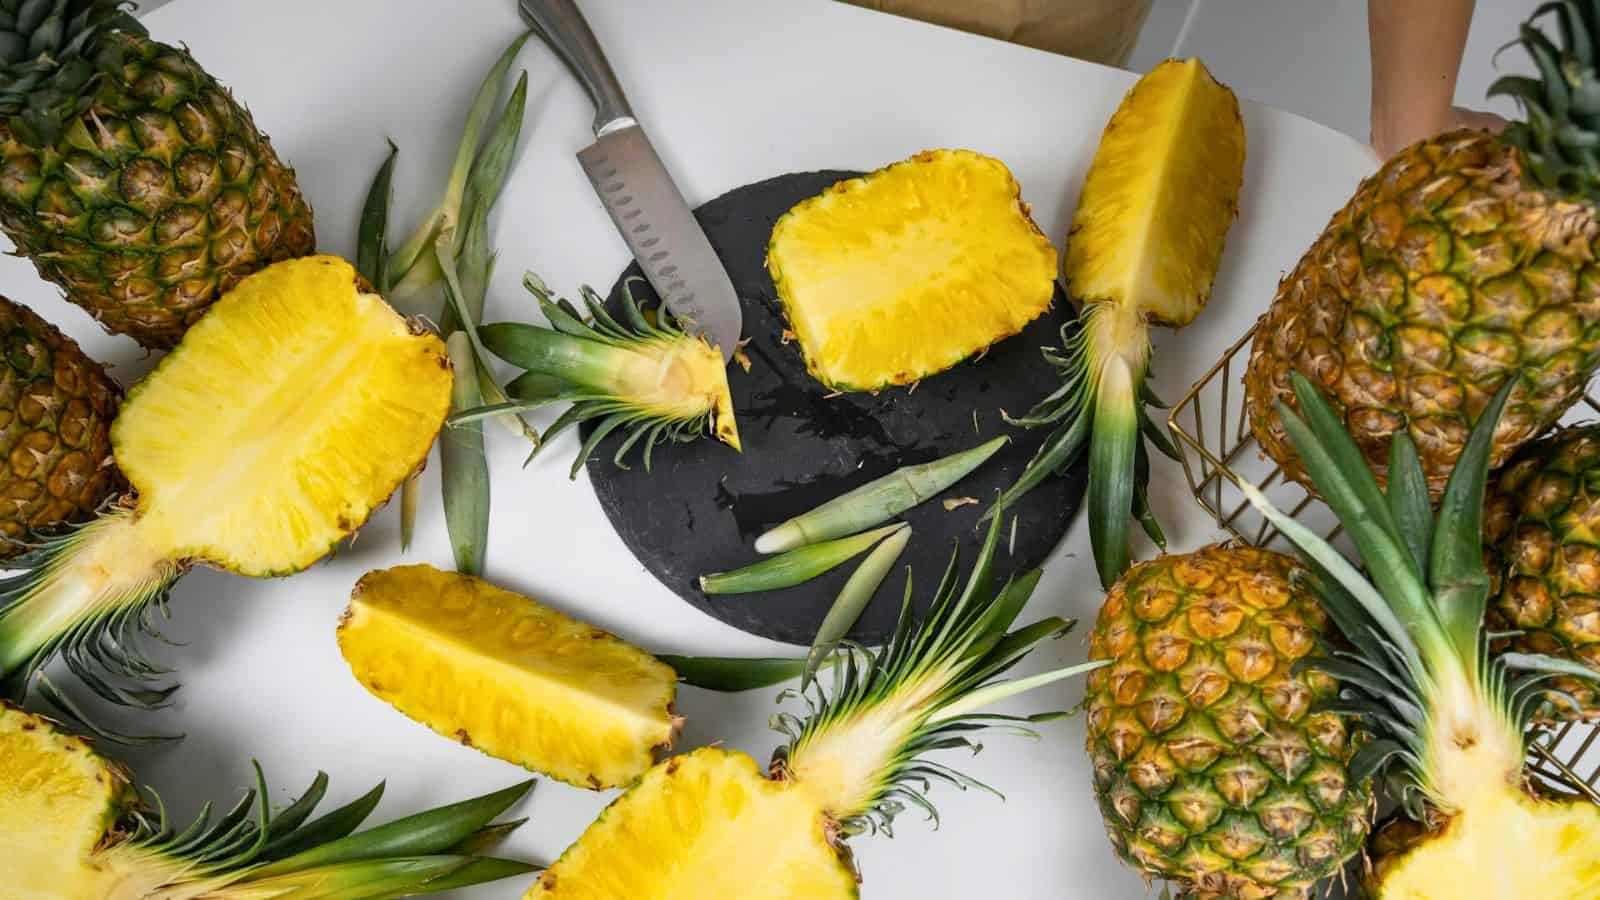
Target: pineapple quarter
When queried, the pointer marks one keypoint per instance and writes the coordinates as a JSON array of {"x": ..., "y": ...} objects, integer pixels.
[
  {"x": 902, "y": 273},
  {"x": 515, "y": 679},
  {"x": 1164, "y": 184}
]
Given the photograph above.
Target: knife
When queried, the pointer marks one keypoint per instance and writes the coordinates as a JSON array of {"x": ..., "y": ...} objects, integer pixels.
[{"x": 636, "y": 189}]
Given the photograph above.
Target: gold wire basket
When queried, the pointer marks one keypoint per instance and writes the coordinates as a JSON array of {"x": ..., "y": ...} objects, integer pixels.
[{"x": 1210, "y": 425}]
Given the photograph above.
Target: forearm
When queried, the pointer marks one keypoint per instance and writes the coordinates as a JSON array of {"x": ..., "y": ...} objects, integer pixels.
[{"x": 1416, "y": 54}]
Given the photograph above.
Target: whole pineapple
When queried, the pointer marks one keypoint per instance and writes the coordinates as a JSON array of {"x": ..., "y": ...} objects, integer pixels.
[
  {"x": 128, "y": 175},
  {"x": 1210, "y": 763},
  {"x": 56, "y": 407},
  {"x": 1466, "y": 260},
  {"x": 1541, "y": 532}
]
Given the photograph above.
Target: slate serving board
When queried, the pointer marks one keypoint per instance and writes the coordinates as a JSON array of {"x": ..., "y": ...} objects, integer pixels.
[{"x": 701, "y": 507}]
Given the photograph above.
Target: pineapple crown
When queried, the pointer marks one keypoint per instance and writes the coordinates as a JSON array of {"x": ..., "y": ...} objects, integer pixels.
[
  {"x": 582, "y": 360},
  {"x": 284, "y": 855},
  {"x": 1560, "y": 130},
  {"x": 1417, "y": 650},
  {"x": 922, "y": 692},
  {"x": 50, "y": 58},
  {"x": 103, "y": 652}
]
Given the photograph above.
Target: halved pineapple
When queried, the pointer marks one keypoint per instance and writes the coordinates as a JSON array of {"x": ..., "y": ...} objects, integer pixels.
[
  {"x": 73, "y": 828},
  {"x": 705, "y": 824},
  {"x": 517, "y": 680},
  {"x": 58, "y": 799},
  {"x": 904, "y": 272},
  {"x": 287, "y": 414}
]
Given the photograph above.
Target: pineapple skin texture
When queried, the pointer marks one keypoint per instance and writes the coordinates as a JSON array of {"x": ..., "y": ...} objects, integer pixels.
[
  {"x": 902, "y": 273},
  {"x": 1209, "y": 765},
  {"x": 59, "y": 802},
  {"x": 1542, "y": 546},
  {"x": 56, "y": 408},
  {"x": 706, "y": 824},
  {"x": 517, "y": 680},
  {"x": 1443, "y": 275},
  {"x": 156, "y": 200}
]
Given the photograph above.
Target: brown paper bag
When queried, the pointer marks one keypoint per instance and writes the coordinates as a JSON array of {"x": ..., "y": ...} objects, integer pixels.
[{"x": 1102, "y": 31}]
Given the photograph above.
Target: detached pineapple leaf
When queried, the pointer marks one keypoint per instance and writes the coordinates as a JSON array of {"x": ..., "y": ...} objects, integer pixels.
[
  {"x": 733, "y": 674},
  {"x": 465, "y": 468}
]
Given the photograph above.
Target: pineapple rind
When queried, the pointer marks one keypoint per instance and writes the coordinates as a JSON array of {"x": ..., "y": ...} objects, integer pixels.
[
  {"x": 305, "y": 401},
  {"x": 704, "y": 824},
  {"x": 515, "y": 679},
  {"x": 1159, "y": 197},
  {"x": 58, "y": 799},
  {"x": 156, "y": 197},
  {"x": 1541, "y": 533},
  {"x": 904, "y": 272},
  {"x": 1444, "y": 275},
  {"x": 1210, "y": 765}
]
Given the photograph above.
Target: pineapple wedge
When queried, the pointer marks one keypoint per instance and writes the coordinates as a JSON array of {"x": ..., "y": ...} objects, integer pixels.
[
  {"x": 904, "y": 272},
  {"x": 501, "y": 673}
]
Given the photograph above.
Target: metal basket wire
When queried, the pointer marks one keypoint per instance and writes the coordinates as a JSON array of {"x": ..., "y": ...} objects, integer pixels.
[{"x": 1219, "y": 451}]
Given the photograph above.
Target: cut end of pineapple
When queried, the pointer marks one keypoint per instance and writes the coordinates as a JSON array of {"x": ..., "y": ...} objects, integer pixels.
[
  {"x": 705, "y": 824},
  {"x": 290, "y": 411},
  {"x": 58, "y": 801},
  {"x": 902, "y": 273},
  {"x": 1503, "y": 845},
  {"x": 499, "y": 672},
  {"x": 1159, "y": 197}
]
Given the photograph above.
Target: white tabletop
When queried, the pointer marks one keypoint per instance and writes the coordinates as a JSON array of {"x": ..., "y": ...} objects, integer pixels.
[{"x": 732, "y": 91}]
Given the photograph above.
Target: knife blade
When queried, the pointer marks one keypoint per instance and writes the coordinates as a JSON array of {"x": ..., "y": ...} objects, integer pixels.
[{"x": 637, "y": 190}]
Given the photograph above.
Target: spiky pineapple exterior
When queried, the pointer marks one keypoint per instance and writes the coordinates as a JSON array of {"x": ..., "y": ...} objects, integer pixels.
[
  {"x": 1210, "y": 764},
  {"x": 56, "y": 407},
  {"x": 128, "y": 175},
  {"x": 1449, "y": 271},
  {"x": 1542, "y": 543}
]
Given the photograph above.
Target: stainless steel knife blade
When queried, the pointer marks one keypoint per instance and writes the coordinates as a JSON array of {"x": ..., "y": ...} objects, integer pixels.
[
  {"x": 655, "y": 221},
  {"x": 637, "y": 190}
]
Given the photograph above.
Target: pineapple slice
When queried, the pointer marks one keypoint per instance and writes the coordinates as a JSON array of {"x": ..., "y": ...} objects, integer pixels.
[
  {"x": 902, "y": 273},
  {"x": 285, "y": 417},
  {"x": 705, "y": 824},
  {"x": 73, "y": 828},
  {"x": 517, "y": 680}
]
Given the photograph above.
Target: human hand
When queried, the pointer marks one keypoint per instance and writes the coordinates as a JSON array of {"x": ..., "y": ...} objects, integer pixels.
[{"x": 1390, "y": 138}]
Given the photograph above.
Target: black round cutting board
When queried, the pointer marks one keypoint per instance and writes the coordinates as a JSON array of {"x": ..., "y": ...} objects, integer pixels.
[{"x": 702, "y": 505}]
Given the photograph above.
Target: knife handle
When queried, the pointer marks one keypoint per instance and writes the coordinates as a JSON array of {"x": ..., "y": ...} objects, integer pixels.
[{"x": 563, "y": 27}]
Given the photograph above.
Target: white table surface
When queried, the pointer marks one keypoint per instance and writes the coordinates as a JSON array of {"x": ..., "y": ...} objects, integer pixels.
[{"x": 732, "y": 91}]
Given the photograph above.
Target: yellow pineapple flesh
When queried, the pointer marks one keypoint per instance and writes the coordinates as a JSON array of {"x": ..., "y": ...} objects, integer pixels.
[
  {"x": 303, "y": 399},
  {"x": 902, "y": 273},
  {"x": 705, "y": 824},
  {"x": 288, "y": 414},
  {"x": 515, "y": 679},
  {"x": 59, "y": 799}
]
